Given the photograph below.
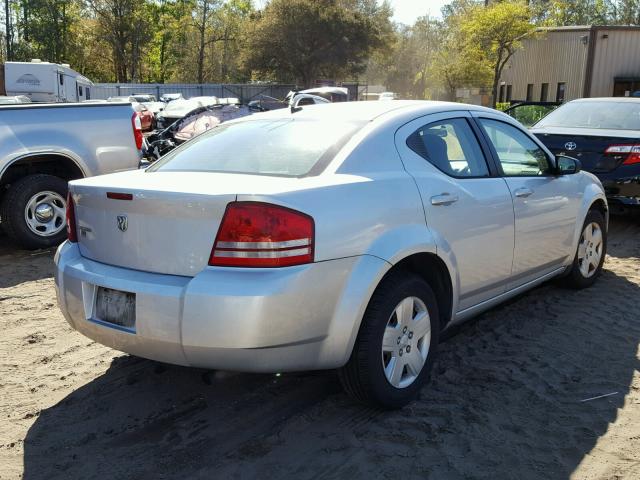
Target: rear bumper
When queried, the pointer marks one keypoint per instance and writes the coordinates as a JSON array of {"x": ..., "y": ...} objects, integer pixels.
[
  {"x": 622, "y": 186},
  {"x": 260, "y": 320}
]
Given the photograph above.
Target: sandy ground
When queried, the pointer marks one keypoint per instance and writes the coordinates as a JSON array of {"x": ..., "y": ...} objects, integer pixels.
[{"x": 506, "y": 400}]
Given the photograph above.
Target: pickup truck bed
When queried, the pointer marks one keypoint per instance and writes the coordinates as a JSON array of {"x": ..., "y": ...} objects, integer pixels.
[{"x": 44, "y": 146}]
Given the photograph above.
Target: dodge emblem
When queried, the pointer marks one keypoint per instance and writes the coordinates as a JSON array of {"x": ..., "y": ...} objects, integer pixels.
[
  {"x": 570, "y": 145},
  {"x": 123, "y": 223}
]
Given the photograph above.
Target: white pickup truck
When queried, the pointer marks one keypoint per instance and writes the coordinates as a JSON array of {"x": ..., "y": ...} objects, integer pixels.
[{"x": 43, "y": 146}]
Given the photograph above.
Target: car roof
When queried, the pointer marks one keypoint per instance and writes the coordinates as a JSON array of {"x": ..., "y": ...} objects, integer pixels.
[{"x": 366, "y": 111}]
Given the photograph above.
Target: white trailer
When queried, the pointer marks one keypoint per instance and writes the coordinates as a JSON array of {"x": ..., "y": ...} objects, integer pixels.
[{"x": 44, "y": 82}]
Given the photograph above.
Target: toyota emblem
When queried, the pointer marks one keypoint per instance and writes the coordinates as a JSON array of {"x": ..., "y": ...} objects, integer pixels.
[
  {"x": 570, "y": 145},
  {"x": 123, "y": 223}
]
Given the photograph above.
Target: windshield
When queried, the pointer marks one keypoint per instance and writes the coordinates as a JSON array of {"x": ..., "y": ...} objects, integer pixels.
[
  {"x": 283, "y": 147},
  {"x": 608, "y": 115}
]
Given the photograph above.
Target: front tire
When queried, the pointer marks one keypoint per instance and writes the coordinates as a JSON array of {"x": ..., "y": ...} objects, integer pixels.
[
  {"x": 33, "y": 211},
  {"x": 590, "y": 254},
  {"x": 396, "y": 345}
]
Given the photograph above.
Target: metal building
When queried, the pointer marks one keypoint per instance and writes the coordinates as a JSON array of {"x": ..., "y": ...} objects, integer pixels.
[{"x": 564, "y": 63}]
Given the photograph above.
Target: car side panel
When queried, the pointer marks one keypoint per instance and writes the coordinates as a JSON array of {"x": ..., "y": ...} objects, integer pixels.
[
  {"x": 354, "y": 215},
  {"x": 98, "y": 138}
]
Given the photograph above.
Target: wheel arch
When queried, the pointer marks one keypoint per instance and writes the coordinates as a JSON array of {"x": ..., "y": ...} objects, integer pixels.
[
  {"x": 593, "y": 198},
  {"x": 51, "y": 163},
  {"x": 601, "y": 206},
  {"x": 433, "y": 270}
]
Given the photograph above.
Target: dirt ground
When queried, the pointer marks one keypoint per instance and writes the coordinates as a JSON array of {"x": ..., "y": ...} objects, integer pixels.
[{"x": 507, "y": 400}]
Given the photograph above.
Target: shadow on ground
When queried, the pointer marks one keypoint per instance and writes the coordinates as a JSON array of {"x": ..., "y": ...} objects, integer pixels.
[{"x": 505, "y": 403}]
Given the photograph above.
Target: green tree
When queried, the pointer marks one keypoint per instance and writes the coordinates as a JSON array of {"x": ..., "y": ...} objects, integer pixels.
[
  {"x": 46, "y": 28},
  {"x": 126, "y": 27},
  {"x": 303, "y": 40},
  {"x": 575, "y": 12},
  {"x": 625, "y": 12},
  {"x": 497, "y": 31}
]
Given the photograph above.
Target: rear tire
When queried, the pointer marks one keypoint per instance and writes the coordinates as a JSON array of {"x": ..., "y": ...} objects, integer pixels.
[
  {"x": 27, "y": 227},
  {"x": 376, "y": 363},
  {"x": 590, "y": 254}
]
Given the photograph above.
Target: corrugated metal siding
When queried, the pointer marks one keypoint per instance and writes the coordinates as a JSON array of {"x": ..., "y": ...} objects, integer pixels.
[
  {"x": 615, "y": 56},
  {"x": 551, "y": 57}
]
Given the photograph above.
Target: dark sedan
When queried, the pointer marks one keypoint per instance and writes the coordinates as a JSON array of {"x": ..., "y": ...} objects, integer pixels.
[{"x": 604, "y": 134}]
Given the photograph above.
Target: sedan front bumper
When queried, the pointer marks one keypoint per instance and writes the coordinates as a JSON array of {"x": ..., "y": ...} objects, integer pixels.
[{"x": 261, "y": 320}]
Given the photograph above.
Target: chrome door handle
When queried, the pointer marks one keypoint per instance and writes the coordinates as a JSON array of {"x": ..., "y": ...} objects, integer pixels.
[
  {"x": 444, "y": 199},
  {"x": 523, "y": 192}
]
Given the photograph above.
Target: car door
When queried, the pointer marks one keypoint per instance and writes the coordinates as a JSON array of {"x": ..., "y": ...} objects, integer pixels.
[
  {"x": 467, "y": 205},
  {"x": 545, "y": 205}
]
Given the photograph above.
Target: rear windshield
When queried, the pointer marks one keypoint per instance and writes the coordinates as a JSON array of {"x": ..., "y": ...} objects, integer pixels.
[
  {"x": 611, "y": 115},
  {"x": 284, "y": 147}
]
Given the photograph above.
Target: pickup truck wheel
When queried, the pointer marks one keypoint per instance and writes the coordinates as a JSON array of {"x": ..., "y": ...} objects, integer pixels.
[
  {"x": 396, "y": 345},
  {"x": 592, "y": 248},
  {"x": 33, "y": 211}
]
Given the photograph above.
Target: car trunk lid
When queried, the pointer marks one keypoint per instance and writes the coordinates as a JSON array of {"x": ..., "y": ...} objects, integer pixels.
[
  {"x": 140, "y": 221},
  {"x": 588, "y": 145}
]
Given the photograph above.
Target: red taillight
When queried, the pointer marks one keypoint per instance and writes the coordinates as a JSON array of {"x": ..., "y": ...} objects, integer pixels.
[
  {"x": 254, "y": 234},
  {"x": 632, "y": 153},
  {"x": 72, "y": 233},
  {"x": 137, "y": 129}
]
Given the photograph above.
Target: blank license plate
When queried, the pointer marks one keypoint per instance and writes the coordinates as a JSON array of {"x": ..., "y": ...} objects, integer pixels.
[{"x": 116, "y": 307}]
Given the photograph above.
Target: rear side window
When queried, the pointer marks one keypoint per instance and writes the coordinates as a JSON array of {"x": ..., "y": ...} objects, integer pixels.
[
  {"x": 287, "y": 147},
  {"x": 451, "y": 146}
]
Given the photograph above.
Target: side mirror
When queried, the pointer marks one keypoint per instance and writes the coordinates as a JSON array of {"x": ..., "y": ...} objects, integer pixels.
[{"x": 567, "y": 165}]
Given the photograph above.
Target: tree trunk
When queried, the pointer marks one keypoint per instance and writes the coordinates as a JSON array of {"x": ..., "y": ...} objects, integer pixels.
[
  {"x": 494, "y": 87},
  {"x": 202, "y": 31},
  {"x": 496, "y": 79},
  {"x": 497, "y": 71},
  {"x": 7, "y": 29}
]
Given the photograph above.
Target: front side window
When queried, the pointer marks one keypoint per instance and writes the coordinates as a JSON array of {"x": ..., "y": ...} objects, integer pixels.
[
  {"x": 451, "y": 146},
  {"x": 519, "y": 155}
]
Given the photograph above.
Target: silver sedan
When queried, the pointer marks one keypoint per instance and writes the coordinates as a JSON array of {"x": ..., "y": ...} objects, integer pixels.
[{"x": 345, "y": 236}]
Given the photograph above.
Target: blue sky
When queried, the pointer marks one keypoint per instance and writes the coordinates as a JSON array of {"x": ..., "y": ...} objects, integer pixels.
[{"x": 406, "y": 11}]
